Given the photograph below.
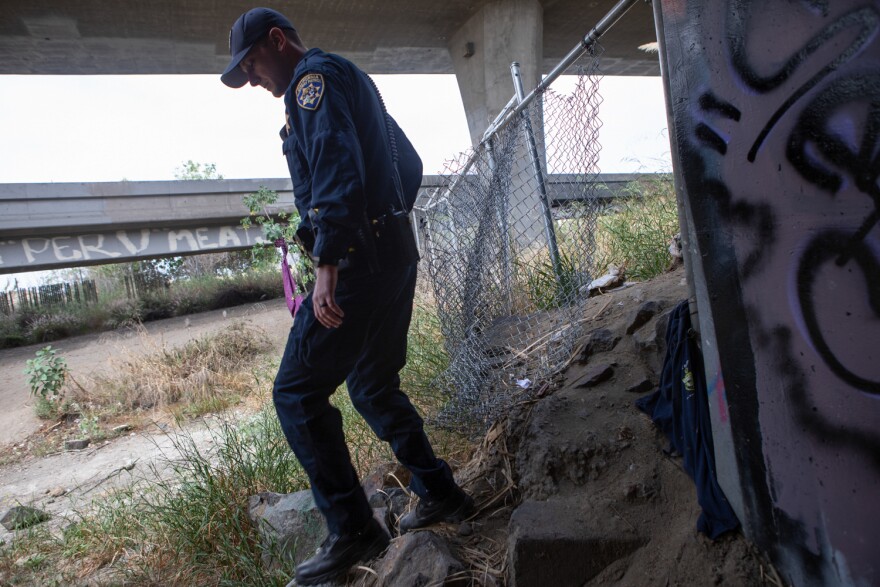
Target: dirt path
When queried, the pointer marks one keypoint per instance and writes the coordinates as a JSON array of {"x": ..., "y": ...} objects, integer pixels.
[
  {"x": 65, "y": 482},
  {"x": 90, "y": 354}
]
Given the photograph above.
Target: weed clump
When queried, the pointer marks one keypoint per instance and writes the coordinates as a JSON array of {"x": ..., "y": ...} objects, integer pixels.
[
  {"x": 636, "y": 230},
  {"x": 212, "y": 371}
]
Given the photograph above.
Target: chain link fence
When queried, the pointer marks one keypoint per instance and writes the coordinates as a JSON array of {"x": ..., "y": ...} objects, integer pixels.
[{"x": 509, "y": 249}]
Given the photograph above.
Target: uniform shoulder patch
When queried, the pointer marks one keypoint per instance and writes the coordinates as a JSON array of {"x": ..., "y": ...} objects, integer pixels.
[{"x": 309, "y": 91}]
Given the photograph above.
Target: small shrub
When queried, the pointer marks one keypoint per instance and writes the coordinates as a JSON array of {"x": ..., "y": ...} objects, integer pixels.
[
  {"x": 121, "y": 313},
  {"x": 46, "y": 374},
  {"x": 11, "y": 335},
  {"x": 155, "y": 305},
  {"x": 89, "y": 427},
  {"x": 49, "y": 327}
]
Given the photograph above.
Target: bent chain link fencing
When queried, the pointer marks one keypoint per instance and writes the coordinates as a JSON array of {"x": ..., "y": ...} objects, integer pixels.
[{"x": 509, "y": 274}]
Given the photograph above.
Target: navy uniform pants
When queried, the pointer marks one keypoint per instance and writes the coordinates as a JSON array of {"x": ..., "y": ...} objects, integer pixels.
[{"x": 366, "y": 352}]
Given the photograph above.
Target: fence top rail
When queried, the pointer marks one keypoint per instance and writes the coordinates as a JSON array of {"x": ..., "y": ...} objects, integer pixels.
[{"x": 515, "y": 106}]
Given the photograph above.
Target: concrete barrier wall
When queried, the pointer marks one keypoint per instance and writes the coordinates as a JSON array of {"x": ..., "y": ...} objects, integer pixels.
[
  {"x": 55, "y": 225},
  {"x": 776, "y": 114}
]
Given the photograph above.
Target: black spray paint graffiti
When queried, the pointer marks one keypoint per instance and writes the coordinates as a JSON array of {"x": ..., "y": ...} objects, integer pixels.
[
  {"x": 824, "y": 157},
  {"x": 757, "y": 218},
  {"x": 811, "y": 138},
  {"x": 865, "y": 20},
  {"x": 817, "y": 155}
]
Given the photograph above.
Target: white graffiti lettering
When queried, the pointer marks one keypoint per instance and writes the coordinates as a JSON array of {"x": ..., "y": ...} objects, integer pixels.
[
  {"x": 203, "y": 239},
  {"x": 58, "y": 247},
  {"x": 87, "y": 249},
  {"x": 30, "y": 251},
  {"x": 174, "y": 236},
  {"x": 122, "y": 235}
]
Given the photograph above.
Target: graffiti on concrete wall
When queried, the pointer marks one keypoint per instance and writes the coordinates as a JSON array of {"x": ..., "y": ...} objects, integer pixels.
[
  {"x": 31, "y": 253},
  {"x": 777, "y": 114}
]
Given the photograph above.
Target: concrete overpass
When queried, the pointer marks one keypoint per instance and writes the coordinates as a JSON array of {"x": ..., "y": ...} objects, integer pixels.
[
  {"x": 475, "y": 40},
  {"x": 55, "y": 225}
]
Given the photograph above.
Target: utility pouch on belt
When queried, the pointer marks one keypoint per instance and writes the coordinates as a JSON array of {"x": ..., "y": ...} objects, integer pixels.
[{"x": 396, "y": 238}]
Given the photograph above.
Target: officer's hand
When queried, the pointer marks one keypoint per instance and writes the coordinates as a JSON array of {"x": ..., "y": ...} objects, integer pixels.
[{"x": 324, "y": 297}]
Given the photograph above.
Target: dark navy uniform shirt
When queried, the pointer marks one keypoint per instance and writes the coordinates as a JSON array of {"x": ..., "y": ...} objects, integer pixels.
[{"x": 337, "y": 148}]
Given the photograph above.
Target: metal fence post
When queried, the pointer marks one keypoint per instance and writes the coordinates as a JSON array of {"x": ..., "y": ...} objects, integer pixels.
[{"x": 549, "y": 230}]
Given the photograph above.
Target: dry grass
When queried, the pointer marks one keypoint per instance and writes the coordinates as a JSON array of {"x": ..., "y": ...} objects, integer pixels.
[{"x": 205, "y": 375}]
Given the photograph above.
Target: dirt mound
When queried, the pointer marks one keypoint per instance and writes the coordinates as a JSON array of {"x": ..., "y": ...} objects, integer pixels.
[{"x": 584, "y": 492}]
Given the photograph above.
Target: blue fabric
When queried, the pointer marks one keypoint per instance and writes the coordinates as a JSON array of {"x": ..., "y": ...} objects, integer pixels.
[
  {"x": 338, "y": 154},
  {"x": 680, "y": 408}
]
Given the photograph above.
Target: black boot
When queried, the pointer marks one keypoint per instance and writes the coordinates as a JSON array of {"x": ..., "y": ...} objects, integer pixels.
[
  {"x": 455, "y": 507},
  {"x": 339, "y": 552}
]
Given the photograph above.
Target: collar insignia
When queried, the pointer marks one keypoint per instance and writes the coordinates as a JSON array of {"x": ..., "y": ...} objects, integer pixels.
[{"x": 309, "y": 91}]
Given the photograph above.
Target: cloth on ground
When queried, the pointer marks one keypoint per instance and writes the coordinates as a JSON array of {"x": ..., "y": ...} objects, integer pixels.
[{"x": 680, "y": 408}]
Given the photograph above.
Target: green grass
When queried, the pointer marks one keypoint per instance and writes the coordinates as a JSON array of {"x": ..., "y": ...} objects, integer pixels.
[
  {"x": 635, "y": 232},
  {"x": 186, "y": 523}
]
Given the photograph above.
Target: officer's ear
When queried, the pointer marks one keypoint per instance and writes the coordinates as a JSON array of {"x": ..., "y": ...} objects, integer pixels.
[{"x": 276, "y": 39}]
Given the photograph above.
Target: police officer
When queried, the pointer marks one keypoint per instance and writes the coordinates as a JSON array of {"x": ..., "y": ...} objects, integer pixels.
[{"x": 340, "y": 147}]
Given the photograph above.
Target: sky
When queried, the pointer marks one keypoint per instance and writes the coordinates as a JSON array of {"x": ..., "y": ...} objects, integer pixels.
[
  {"x": 109, "y": 128},
  {"x": 143, "y": 128}
]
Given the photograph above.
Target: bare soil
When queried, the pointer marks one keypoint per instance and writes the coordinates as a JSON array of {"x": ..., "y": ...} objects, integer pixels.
[
  {"x": 576, "y": 486},
  {"x": 573, "y": 455}
]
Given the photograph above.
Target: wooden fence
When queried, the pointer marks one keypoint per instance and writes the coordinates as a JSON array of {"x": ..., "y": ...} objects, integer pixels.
[{"x": 77, "y": 292}]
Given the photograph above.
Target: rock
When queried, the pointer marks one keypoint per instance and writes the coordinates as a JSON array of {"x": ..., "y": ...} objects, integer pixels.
[
  {"x": 383, "y": 516},
  {"x": 22, "y": 516},
  {"x": 76, "y": 444},
  {"x": 595, "y": 375},
  {"x": 121, "y": 428},
  {"x": 601, "y": 340},
  {"x": 378, "y": 499},
  {"x": 646, "y": 340},
  {"x": 651, "y": 343},
  {"x": 385, "y": 474},
  {"x": 644, "y": 314},
  {"x": 290, "y": 526},
  {"x": 564, "y": 542},
  {"x": 643, "y": 386},
  {"x": 417, "y": 558},
  {"x": 398, "y": 502}
]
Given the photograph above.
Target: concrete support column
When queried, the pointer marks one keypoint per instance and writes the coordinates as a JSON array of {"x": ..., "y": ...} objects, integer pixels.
[{"x": 482, "y": 50}]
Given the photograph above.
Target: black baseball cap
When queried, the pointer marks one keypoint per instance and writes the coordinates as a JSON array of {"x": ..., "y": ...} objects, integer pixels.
[{"x": 246, "y": 31}]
